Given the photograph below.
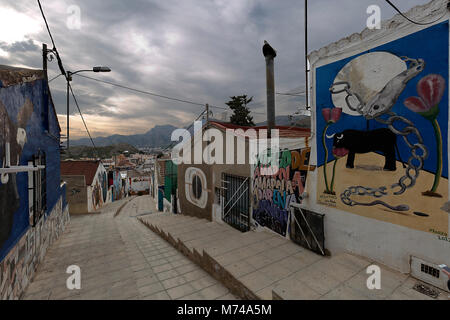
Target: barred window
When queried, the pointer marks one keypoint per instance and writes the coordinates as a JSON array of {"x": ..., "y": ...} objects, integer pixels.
[{"x": 37, "y": 191}]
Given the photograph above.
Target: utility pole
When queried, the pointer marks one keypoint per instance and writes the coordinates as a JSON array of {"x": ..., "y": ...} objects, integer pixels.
[
  {"x": 68, "y": 78},
  {"x": 306, "y": 56},
  {"x": 44, "y": 59},
  {"x": 270, "y": 54},
  {"x": 207, "y": 114}
]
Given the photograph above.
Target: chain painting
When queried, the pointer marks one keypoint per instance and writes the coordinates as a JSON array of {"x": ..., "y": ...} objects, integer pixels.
[{"x": 382, "y": 128}]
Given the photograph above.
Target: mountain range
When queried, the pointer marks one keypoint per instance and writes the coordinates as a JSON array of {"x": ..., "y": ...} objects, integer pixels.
[{"x": 159, "y": 136}]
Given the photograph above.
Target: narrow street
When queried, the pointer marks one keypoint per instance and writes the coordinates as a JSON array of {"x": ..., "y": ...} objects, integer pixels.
[{"x": 120, "y": 258}]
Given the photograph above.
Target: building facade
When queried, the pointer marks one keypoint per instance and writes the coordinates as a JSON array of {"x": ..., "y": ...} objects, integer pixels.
[
  {"x": 380, "y": 121},
  {"x": 33, "y": 209},
  {"x": 87, "y": 185}
]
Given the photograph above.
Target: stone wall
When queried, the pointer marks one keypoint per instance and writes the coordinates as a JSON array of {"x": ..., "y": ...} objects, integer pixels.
[{"x": 19, "y": 266}]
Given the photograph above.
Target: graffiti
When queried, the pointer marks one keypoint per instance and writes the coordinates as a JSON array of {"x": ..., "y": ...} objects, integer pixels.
[
  {"x": 272, "y": 195},
  {"x": 104, "y": 184},
  {"x": 97, "y": 196},
  {"x": 12, "y": 138},
  {"x": 331, "y": 116},
  {"x": 383, "y": 97}
]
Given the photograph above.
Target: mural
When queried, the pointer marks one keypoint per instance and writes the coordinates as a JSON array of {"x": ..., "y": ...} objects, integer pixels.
[
  {"x": 13, "y": 136},
  {"x": 386, "y": 112},
  {"x": 273, "y": 194},
  {"x": 97, "y": 200},
  {"x": 28, "y": 126}
]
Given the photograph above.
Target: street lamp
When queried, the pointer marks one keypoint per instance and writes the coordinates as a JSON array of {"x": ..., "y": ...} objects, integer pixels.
[{"x": 69, "y": 78}]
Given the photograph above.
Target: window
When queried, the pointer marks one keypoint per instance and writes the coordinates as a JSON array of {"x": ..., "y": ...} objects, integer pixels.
[
  {"x": 197, "y": 187},
  {"x": 37, "y": 191}
]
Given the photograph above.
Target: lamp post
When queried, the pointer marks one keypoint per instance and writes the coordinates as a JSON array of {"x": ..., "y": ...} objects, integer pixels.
[{"x": 69, "y": 78}]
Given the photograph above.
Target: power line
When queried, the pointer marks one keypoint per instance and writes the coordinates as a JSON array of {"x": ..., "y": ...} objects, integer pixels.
[
  {"x": 61, "y": 67},
  {"x": 412, "y": 21},
  {"x": 152, "y": 93},
  {"x": 291, "y": 94},
  {"x": 55, "y": 77},
  {"x": 142, "y": 91},
  {"x": 189, "y": 127},
  {"x": 84, "y": 122}
]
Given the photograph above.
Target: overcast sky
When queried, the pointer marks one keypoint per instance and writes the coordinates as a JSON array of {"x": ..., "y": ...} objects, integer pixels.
[{"x": 199, "y": 50}]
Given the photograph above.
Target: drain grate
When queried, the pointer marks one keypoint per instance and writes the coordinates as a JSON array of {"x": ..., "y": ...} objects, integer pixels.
[{"x": 426, "y": 290}]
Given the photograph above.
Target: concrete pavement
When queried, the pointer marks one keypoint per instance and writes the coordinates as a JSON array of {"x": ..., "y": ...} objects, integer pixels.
[
  {"x": 120, "y": 258},
  {"x": 263, "y": 265}
]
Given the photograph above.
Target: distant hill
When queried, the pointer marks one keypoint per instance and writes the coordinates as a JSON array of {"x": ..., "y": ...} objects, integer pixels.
[
  {"x": 77, "y": 152},
  {"x": 159, "y": 136},
  {"x": 156, "y": 137}
]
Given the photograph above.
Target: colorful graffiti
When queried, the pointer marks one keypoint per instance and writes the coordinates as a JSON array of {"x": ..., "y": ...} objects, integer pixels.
[
  {"x": 273, "y": 194},
  {"x": 392, "y": 128}
]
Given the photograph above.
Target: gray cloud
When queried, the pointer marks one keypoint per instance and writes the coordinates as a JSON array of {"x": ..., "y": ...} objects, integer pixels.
[{"x": 205, "y": 51}]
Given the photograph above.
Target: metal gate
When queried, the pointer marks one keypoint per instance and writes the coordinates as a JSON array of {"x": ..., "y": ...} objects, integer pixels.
[
  {"x": 307, "y": 229},
  {"x": 236, "y": 201}
]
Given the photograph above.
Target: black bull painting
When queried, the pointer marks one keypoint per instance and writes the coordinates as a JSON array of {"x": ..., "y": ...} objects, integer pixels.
[{"x": 351, "y": 142}]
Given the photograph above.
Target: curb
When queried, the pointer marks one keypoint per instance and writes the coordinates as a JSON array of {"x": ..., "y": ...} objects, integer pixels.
[{"x": 122, "y": 206}]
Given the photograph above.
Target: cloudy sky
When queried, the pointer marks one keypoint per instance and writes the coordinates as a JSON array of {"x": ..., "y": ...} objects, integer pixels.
[{"x": 200, "y": 50}]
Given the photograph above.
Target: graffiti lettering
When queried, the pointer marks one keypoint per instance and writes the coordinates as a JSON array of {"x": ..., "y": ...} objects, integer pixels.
[{"x": 272, "y": 195}]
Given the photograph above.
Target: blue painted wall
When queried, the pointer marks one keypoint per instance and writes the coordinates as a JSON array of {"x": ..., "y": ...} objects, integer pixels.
[
  {"x": 430, "y": 44},
  {"x": 42, "y": 119}
]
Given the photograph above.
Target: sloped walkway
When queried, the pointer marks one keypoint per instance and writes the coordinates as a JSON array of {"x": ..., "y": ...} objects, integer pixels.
[
  {"x": 263, "y": 265},
  {"x": 120, "y": 258}
]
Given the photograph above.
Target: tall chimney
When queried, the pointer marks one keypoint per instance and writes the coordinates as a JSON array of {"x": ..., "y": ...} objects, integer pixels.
[{"x": 270, "y": 54}]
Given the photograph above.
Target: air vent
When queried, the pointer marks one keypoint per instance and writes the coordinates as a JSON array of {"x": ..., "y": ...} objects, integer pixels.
[{"x": 428, "y": 272}]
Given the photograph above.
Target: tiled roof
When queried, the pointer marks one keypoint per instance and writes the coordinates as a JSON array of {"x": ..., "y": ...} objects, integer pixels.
[
  {"x": 80, "y": 168},
  {"x": 284, "y": 131}
]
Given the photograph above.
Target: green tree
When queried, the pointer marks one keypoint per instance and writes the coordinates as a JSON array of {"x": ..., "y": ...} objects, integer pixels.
[{"x": 241, "y": 114}]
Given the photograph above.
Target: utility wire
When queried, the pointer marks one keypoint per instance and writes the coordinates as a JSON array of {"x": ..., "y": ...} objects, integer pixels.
[
  {"x": 189, "y": 127},
  {"x": 142, "y": 91},
  {"x": 55, "y": 77},
  {"x": 84, "y": 122},
  {"x": 152, "y": 93},
  {"x": 61, "y": 67},
  {"x": 412, "y": 21},
  {"x": 291, "y": 94}
]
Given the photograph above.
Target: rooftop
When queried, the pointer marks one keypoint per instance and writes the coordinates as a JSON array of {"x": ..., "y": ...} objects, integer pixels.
[
  {"x": 80, "y": 168},
  {"x": 284, "y": 131},
  {"x": 10, "y": 76}
]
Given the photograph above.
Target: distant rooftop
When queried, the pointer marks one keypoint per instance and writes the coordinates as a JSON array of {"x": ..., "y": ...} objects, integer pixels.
[
  {"x": 86, "y": 168},
  {"x": 284, "y": 131}
]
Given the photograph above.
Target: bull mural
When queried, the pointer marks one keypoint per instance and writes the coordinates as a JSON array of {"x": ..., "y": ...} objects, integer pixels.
[
  {"x": 351, "y": 142},
  {"x": 377, "y": 109}
]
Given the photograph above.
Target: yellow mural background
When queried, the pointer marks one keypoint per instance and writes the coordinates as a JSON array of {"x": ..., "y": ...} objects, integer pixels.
[{"x": 368, "y": 172}]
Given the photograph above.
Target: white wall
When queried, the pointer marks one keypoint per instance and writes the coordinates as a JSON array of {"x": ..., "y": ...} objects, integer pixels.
[
  {"x": 384, "y": 242},
  {"x": 90, "y": 189}
]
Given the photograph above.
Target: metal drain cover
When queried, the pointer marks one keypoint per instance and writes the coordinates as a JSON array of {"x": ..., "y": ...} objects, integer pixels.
[{"x": 426, "y": 290}]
